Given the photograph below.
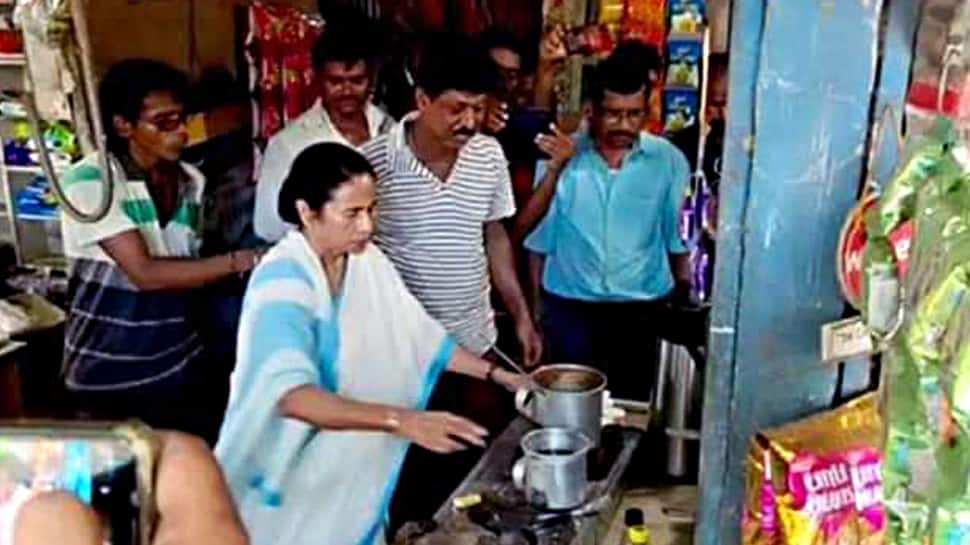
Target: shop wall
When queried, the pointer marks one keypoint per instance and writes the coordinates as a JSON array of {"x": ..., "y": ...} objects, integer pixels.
[
  {"x": 121, "y": 29},
  {"x": 804, "y": 82},
  {"x": 189, "y": 34}
]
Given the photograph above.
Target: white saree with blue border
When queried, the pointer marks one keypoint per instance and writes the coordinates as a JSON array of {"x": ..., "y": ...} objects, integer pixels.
[{"x": 296, "y": 484}]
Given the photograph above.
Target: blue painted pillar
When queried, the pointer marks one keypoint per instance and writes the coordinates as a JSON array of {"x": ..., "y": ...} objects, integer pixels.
[
  {"x": 719, "y": 516},
  {"x": 802, "y": 89}
]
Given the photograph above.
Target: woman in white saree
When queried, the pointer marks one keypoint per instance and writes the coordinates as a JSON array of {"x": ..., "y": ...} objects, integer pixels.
[{"x": 336, "y": 363}]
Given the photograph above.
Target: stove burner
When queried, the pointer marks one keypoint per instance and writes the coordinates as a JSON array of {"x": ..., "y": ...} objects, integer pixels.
[{"x": 505, "y": 513}]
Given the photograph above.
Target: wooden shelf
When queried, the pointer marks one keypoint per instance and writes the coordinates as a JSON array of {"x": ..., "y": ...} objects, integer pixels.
[
  {"x": 32, "y": 170},
  {"x": 24, "y": 169},
  {"x": 35, "y": 217}
]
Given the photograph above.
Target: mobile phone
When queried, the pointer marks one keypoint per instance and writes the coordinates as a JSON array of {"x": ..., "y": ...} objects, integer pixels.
[
  {"x": 521, "y": 130},
  {"x": 107, "y": 466}
]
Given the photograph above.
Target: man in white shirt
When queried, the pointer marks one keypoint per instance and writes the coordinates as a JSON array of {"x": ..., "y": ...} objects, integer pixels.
[{"x": 343, "y": 59}]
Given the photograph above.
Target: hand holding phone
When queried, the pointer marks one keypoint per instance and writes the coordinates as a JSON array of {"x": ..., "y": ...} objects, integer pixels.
[
  {"x": 557, "y": 146},
  {"x": 106, "y": 467},
  {"x": 523, "y": 127},
  {"x": 168, "y": 512}
]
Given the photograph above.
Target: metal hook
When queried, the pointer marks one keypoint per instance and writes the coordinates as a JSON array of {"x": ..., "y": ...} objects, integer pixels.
[
  {"x": 883, "y": 339},
  {"x": 951, "y": 59}
]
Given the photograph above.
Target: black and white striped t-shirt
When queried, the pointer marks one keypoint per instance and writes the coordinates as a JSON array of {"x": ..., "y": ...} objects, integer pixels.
[{"x": 433, "y": 231}]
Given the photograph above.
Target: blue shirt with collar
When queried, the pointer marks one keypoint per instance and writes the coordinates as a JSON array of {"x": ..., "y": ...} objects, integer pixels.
[{"x": 608, "y": 233}]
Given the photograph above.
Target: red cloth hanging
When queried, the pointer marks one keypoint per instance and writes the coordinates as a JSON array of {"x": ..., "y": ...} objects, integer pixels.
[
  {"x": 522, "y": 17},
  {"x": 646, "y": 21},
  {"x": 280, "y": 43},
  {"x": 431, "y": 13},
  {"x": 470, "y": 18}
]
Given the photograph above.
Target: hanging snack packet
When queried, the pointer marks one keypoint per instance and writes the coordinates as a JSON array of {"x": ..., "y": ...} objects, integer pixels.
[
  {"x": 683, "y": 63},
  {"x": 827, "y": 480},
  {"x": 686, "y": 16},
  {"x": 680, "y": 109},
  {"x": 611, "y": 11},
  {"x": 643, "y": 20},
  {"x": 891, "y": 234}
]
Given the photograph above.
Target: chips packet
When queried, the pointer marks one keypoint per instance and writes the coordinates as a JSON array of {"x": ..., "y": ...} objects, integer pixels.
[
  {"x": 825, "y": 473},
  {"x": 927, "y": 365},
  {"x": 687, "y": 16},
  {"x": 684, "y": 63},
  {"x": 680, "y": 108}
]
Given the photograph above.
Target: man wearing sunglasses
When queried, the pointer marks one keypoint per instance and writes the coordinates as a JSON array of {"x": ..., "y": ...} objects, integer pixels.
[
  {"x": 608, "y": 250},
  {"x": 132, "y": 349}
]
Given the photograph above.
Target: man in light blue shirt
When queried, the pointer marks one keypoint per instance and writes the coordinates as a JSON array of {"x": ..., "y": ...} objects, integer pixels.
[{"x": 608, "y": 252}]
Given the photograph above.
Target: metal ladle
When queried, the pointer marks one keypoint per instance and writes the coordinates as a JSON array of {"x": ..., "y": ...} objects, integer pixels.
[{"x": 504, "y": 357}]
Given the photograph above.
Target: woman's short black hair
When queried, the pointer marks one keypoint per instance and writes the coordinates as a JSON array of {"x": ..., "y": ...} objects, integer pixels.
[
  {"x": 126, "y": 85},
  {"x": 316, "y": 173}
]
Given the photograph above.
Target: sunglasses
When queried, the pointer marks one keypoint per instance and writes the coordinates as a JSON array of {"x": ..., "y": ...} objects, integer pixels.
[{"x": 168, "y": 122}]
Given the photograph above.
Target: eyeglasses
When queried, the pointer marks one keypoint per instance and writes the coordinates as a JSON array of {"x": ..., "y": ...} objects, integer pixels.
[
  {"x": 168, "y": 122},
  {"x": 617, "y": 116}
]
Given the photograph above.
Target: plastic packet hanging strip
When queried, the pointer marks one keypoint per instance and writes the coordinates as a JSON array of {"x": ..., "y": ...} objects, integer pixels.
[
  {"x": 889, "y": 231},
  {"x": 827, "y": 480}
]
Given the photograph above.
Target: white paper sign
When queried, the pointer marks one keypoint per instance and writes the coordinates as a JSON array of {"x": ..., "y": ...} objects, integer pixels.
[{"x": 845, "y": 339}]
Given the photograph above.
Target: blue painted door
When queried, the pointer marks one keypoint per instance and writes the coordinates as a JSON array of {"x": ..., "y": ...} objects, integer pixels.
[{"x": 803, "y": 81}]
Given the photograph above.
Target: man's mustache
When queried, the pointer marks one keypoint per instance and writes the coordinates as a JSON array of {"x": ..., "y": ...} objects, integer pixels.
[
  {"x": 465, "y": 132},
  {"x": 621, "y": 134}
]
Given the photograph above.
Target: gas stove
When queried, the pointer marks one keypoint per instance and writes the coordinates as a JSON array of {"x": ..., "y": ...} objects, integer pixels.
[{"x": 504, "y": 517}]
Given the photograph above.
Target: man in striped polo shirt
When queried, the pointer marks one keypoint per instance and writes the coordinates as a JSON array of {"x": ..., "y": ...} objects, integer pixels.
[
  {"x": 443, "y": 192},
  {"x": 132, "y": 349}
]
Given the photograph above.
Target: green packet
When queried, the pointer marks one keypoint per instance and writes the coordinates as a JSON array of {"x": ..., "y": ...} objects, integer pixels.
[
  {"x": 953, "y": 522},
  {"x": 903, "y": 411},
  {"x": 941, "y": 239},
  {"x": 909, "y": 522},
  {"x": 961, "y": 390},
  {"x": 910, "y": 469},
  {"x": 939, "y": 342},
  {"x": 933, "y": 317},
  {"x": 898, "y": 200}
]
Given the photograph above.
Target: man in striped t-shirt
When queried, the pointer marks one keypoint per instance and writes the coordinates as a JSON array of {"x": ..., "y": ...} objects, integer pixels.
[
  {"x": 132, "y": 348},
  {"x": 443, "y": 192}
]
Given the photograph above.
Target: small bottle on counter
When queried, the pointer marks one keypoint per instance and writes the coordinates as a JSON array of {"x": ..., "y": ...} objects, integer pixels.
[{"x": 635, "y": 531}]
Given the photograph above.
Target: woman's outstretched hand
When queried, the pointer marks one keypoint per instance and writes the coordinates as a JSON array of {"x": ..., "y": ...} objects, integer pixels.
[{"x": 441, "y": 432}]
